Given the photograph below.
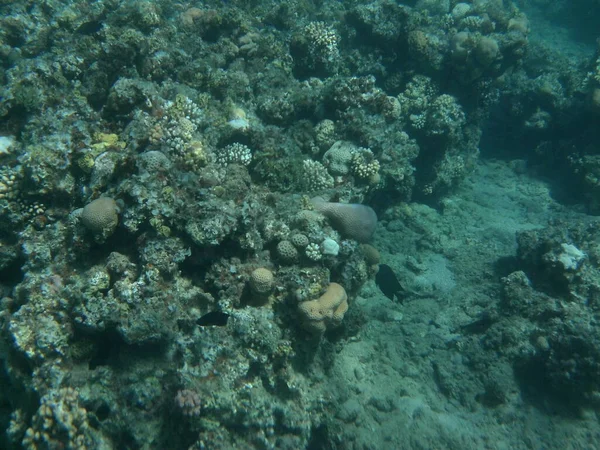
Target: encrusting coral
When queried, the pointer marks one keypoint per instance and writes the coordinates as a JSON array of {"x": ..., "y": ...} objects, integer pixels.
[{"x": 326, "y": 311}]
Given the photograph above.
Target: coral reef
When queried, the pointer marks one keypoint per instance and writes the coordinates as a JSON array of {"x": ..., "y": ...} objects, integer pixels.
[
  {"x": 557, "y": 261},
  {"x": 157, "y": 164}
]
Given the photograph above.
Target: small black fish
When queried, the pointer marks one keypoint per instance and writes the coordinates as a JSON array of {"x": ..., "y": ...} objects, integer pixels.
[
  {"x": 480, "y": 325},
  {"x": 90, "y": 27},
  {"x": 216, "y": 318},
  {"x": 388, "y": 283}
]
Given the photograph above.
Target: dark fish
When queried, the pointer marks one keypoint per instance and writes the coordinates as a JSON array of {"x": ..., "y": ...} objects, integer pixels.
[
  {"x": 90, "y": 27},
  {"x": 388, "y": 283},
  {"x": 481, "y": 324},
  {"x": 216, "y": 318}
]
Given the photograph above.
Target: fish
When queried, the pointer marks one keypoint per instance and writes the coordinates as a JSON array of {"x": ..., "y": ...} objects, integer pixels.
[
  {"x": 91, "y": 27},
  {"x": 480, "y": 325},
  {"x": 388, "y": 283},
  {"x": 216, "y": 318}
]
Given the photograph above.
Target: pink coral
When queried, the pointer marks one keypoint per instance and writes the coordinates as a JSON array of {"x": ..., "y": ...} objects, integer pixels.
[
  {"x": 352, "y": 220},
  {"x": 188, "y": 402}
]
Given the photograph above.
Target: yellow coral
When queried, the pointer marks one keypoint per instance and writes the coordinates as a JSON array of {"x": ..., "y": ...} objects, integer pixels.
[
  {"x": 196, "y": 157},
  {"x": 86, "y": 162},
  {"x": 326, "y": 311},
  {"x": 106, "y": 141}
]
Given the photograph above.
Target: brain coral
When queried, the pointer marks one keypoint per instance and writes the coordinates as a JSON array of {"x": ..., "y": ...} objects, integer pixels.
[
  {"x": 326, "y": 311},
  {"x": 100, "y": 216},
  {"x": 153, "y": 161},
  {"x": 353, "y": 220},
  {"x": 338, "y": 158},
  {"x": 299, "y": 240},
  {"x": 261, "y": 281},
  {"x": 287, "y": 252}
]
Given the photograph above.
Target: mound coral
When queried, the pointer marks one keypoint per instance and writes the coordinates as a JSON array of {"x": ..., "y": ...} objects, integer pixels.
[
  {"x": 286, "y": 252},
  {"x": 353, "y": 220},
  {"x": 261, "y": 281},
  {"x": 101, "y": 216},
  {"x": 326, "y": 311}
]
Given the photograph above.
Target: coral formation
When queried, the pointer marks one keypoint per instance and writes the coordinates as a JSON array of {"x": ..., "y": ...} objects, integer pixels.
[
  {"x": 100, "y": 216},
  {"x": 338, "y": 158},
  {"x": 299, "y": 240},
  {"x": 188, "y": 402},
  {"x": 372, "y": 256},
  {"x": 313, "y": 252},
  {"x": 354, "y": 221},
  {"x": 326, "y": 311},
  {"x": 287, "y": 252},
  {"x": 61, "y": 422},
  {"x": 235, "y": 153},
  {"x": 315, "y": 176},
  {"x": 330, "y": 247},
  {"x": 261, "y": 281},
  {"x": 156, "y": 163}
]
